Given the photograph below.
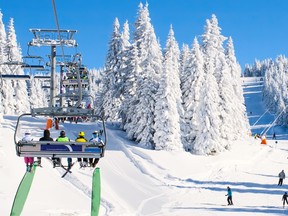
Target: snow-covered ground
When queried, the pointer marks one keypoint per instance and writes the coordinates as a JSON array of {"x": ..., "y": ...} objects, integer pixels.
[{"x": 137, "y": 181}]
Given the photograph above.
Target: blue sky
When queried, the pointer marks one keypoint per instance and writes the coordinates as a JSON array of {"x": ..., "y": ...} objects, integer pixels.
[{"x": 258, "y": 28}]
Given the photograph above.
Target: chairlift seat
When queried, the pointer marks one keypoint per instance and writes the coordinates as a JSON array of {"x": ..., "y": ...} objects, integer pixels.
[{"x": 59, "y": 149}]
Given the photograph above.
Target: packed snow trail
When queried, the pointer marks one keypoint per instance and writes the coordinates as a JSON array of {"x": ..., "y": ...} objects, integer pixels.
[
  {"x": 22, "y": 192},
  {"x": 139, "y": 181}
]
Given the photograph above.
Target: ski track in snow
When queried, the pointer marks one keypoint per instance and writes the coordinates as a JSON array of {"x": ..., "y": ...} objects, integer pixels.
[{"x": 136, "y": 156}]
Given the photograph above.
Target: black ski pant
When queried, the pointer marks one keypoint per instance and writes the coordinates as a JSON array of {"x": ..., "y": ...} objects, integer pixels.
[{"x": 229, "y": 200}]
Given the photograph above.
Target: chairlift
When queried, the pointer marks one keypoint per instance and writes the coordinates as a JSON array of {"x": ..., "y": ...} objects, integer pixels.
[
  {"x": 76, "y": 75},
  {"x": 33, "y": 62},
  {"x": 54, "y": 149}
]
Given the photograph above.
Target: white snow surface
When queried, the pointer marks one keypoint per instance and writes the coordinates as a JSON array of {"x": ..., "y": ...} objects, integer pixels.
[{"x": 138, "y": 181}]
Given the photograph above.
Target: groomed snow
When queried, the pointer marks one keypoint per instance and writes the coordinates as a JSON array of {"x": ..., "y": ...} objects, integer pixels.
[{"x": 137, "y": 181}]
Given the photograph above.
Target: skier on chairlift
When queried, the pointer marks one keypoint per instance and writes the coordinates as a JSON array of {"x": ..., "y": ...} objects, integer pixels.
[
  {"x": 28, "y": 160},
  {"x": 98, "y": 141},
  {"x": 81, "y": 138},
  {"x": 64, "y": 138},
  {"x": 46, "y": 137}
]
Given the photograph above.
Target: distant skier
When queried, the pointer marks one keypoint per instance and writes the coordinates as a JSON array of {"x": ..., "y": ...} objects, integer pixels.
[
  {"x": 28, "y": 160},
  {"x": 274, "y": 136},
  {"x": 229, "y": 194},
  {"x": 46, "y": 137},
  {"x": 284, "y": 198},
  {"x": 281, "y": 177}
]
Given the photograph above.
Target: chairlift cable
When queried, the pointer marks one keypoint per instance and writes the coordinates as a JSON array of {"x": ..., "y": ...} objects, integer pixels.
[
  {"x": 260, "y": 118},
  {"x": 58, "y": 29},
  {"x": 270, "y": 125}
]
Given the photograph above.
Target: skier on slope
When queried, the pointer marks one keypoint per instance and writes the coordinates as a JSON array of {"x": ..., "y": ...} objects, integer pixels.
[
  {"x": 28, "y": 160},
  {"x": 284, "y": 199},
  {"x": 46, "y": 137},
  {"x": 229, "y": 194},
  {"x": 281, "y": 178}
]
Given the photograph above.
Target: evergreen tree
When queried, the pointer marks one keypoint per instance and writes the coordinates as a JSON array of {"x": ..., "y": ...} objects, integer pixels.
[
  {"x": 208, "y": 140},
  {"x": 4, "y": 68},
  {"x": 150, "y": 61},
  {"x": 14, "y": 55},
  {"x": 192, "y": 93},
  {"x": 34, "y": 94},
  {"x": 132, "y": 71},
  {"x": 21, "y": 96},
  {"x": 3, "y": 55},
  {"x": 168, "y": 108},
  {"x": 241, "y": 123},
  {"x": 110, "y": 103},
  {"x": 8, "y": 98},
  {"x": 184, "y": 59},
  {"x": 124, "y": 71},
  {"x": 13, "y": 50}
]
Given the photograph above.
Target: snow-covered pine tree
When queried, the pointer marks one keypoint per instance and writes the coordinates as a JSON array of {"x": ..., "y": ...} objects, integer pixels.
[
  {"x": 168, "y": 107},
  {"x": 125, "y": 72},
  {"x": 8, "y": 100},
  {"x": 21, "y": 96},
  {"x": 280, "y": 90},
  {"x": 224, "y": 80},
  {"x": 192, "y": 92},
  {"x": 150, "y": 61},
  {"x": 268, "y": 88},
  {"x": 3, "y": 41},
  {"x": 5, "y": 87},
  {"x": 184, "y": 59},
  {"x": 95, "y": 83},
  {"x": 208, "y": 140},
  {"x": 20, "y": 86},
  {"x": 13, "y": 50},
  {"x": 34, "y": 94},
  {"x": 110, "y": 104},
  {"x": 241, "y": 123},
  {"x": 132, "y": 71}
]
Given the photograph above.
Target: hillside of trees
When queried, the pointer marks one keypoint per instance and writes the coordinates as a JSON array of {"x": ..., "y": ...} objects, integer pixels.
[{"x": 172, "y": 99}]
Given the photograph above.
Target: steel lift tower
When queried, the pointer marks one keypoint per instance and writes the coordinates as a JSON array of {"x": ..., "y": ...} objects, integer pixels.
[{"x": 53, "y": 38}]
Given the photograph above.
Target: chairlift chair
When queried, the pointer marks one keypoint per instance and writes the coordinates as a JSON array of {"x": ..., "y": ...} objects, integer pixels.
[
  {"x": 54, "y": 149},
  {"x": 33, "y": 62}
]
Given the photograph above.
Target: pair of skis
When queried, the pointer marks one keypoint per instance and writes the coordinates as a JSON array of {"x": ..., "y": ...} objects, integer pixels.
[
  {"x": 96, "y": 188},
  {"x": 26, "y": 182},
  {"x": 67, "y": 169}
]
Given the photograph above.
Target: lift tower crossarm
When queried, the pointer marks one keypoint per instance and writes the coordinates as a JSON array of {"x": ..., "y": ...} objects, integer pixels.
[{"x": 50, "y": 37}]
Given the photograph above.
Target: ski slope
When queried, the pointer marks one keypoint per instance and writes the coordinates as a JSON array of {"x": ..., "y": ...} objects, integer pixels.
[
  {"x": 259, "y": 117},
  {"x": 137, "y": 181}
]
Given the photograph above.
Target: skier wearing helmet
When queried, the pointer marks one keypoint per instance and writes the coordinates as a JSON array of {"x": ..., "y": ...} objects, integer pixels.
[
  {"x": 64, "y": 138},
  {"x": 28, "y": 160},
  {"x": 97, "y": 140},
  {"x": 81, "y": 138}
]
